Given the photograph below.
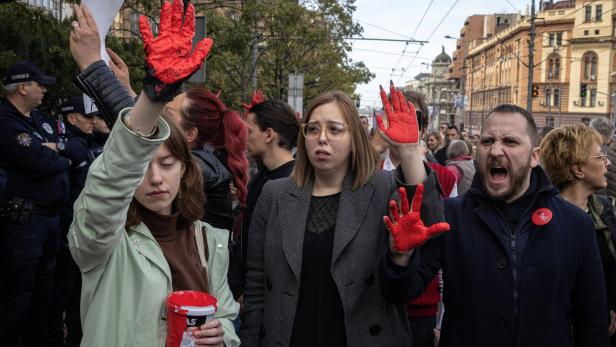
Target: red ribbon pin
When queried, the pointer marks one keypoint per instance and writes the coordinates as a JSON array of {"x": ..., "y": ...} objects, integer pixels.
[{"x": 542, "y": 216}]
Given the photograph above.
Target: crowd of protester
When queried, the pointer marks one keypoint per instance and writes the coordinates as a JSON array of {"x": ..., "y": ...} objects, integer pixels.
[{"x": 508, "y": 239}]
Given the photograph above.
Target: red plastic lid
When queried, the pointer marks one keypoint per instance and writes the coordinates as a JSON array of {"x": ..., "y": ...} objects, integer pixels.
[{"x": 191, "y": 298}]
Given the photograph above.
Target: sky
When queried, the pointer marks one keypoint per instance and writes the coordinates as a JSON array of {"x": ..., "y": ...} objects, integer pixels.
[{"x": 400, "y": 19}]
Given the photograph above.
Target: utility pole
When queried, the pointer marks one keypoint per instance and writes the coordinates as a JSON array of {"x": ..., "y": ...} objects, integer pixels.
[
  {"x": 463, "y": 86},
  {"x": 613, "y": 107},
  {"x": 549, "y": 117},
  {"x": 531, "y": 58}
]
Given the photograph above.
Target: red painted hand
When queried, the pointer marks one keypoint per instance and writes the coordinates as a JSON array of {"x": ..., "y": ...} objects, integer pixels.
[
  {"x": 402, "y": 118},
  {"x": 169, "y": 55},
  {"x": 257, "y": 98},
  {"x": 408, "y": 230}
]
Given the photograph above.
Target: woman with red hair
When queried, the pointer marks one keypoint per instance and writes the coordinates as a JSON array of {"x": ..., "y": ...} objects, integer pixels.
[{"x": 218, "y": 138}]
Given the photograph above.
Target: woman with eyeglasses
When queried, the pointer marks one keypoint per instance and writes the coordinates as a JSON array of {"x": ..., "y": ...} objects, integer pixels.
[
  {"x": 321, "y": 268},
  {"x": 573, "y": 159}
]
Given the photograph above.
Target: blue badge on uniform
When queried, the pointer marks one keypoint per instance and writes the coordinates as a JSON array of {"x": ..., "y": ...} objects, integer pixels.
[
  {"x": 24, "y": 139},
  {"x": 47, "y": 128}
]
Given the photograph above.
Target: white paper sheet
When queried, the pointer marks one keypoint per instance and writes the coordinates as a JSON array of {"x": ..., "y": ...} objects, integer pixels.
[{"x": 104, "y": 12}]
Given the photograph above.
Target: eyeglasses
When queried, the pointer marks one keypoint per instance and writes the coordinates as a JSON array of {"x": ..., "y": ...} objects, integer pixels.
[
  {"x": 333, "y": 130},
  {"x": 603, "y": 157}
]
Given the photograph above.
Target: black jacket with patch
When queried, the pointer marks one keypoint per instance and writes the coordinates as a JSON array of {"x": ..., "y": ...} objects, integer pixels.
[{"x": 34, "y": 171}]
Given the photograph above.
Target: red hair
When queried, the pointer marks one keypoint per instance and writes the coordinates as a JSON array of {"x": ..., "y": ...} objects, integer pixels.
[{"x": 221, "y": 128}]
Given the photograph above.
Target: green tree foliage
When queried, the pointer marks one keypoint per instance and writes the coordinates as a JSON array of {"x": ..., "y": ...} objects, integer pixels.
[
  {"x": 31, "y": 34},
  {"x": 131, "y": 51},
  {"x": 280, "y": 36},
  {"x": 304, "y": 37}
]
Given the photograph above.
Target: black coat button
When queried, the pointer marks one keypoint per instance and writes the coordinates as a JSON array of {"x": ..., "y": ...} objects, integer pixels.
[
  {"x": 502, "y": 263},
  {"x": 503, "y": 321},
  {"x": 369, "y": 280},
  {"x": 375, "y": 330},
  {"x": 269, "y": 284}
]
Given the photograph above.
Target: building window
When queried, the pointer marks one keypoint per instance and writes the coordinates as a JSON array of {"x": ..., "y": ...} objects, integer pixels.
[
  {"x": 588, "y": 13},
  {"x": 589, "y": 66},
  {"x": 583, "y": 101},
  {"x": 586, "y": 32},
  {"x": 597, "y": 31},
  {"x": 553, "y": 67},
  {"x": 134, "y": 22},
  {"x": 598, "y": 12},
  {"x": 593, "y": 97},
  {"x": 548, "y": 97},
  {"x": 555, "y": 39},
  {"x": 556, "y": 97}
]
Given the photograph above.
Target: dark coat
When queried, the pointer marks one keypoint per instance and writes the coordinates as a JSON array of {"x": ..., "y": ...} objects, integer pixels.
[
  {"x": 561, "y": 299},
  {"x": 373, "y": 316},
  {"x": 218, "y": 205},
  {"x": 34, "y": 172},
  {"x": 81, "y": 149},
  {"x": 611, "y": 171},
  {"x": 605, "y": 227}
]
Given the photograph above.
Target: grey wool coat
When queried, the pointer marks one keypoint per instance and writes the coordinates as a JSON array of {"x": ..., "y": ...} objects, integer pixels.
[{"x": 373, "y": 310}]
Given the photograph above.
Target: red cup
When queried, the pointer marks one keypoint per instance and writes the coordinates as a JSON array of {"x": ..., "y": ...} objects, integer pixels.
[{"x": 187, "y": 309}]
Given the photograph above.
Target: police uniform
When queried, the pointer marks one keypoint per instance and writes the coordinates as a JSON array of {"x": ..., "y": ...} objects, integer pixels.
[
  {"x": 37, "y": 186},
  {"x": 81, "y": 149}
]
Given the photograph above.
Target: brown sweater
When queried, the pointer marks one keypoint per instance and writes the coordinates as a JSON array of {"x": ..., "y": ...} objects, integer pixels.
[{"x": 179, "y": 248}]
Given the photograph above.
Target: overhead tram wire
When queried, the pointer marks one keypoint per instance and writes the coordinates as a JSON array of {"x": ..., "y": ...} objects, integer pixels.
[
  {"x": 430, "y": 36},
  {"x": 384, "y": 29},
  {"x": 412, "y": 36},
  {"x": 519, "y": 58},
  {"x": 512, "y": 6},
  {"x": 411, "y": 54}
]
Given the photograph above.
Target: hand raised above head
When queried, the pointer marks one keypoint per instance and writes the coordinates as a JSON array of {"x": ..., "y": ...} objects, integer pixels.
[
  {"x": 169, "y": 60},
  {"x": 401, "y": 116},
  {"x": 120, "y": 70},
  {"x": 84, "y": 40},
  {"x": 257, "y": 98}
]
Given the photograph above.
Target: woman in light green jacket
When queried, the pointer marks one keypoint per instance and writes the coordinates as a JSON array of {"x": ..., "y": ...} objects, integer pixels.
[{"x": 136, "y": 230}]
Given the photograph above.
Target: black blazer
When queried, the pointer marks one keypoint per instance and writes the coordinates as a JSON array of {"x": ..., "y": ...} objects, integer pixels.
[{"x": 374, "y": 315}]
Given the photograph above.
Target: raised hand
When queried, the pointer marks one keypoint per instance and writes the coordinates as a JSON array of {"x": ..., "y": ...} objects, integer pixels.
[
  {"x": 120, "y": 70},
  {"x": 402, "y": 118},
  {"x": 168, "y": 57},
  {"x": 84, "y": 40},
  {"x": 257, "y": 98},
  {"x": 408, "y": 230}
]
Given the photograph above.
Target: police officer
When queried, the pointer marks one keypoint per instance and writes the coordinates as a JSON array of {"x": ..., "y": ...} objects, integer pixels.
[
  {"x": 78, "y": 145},
  {"x": 37, "y": 187}
]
